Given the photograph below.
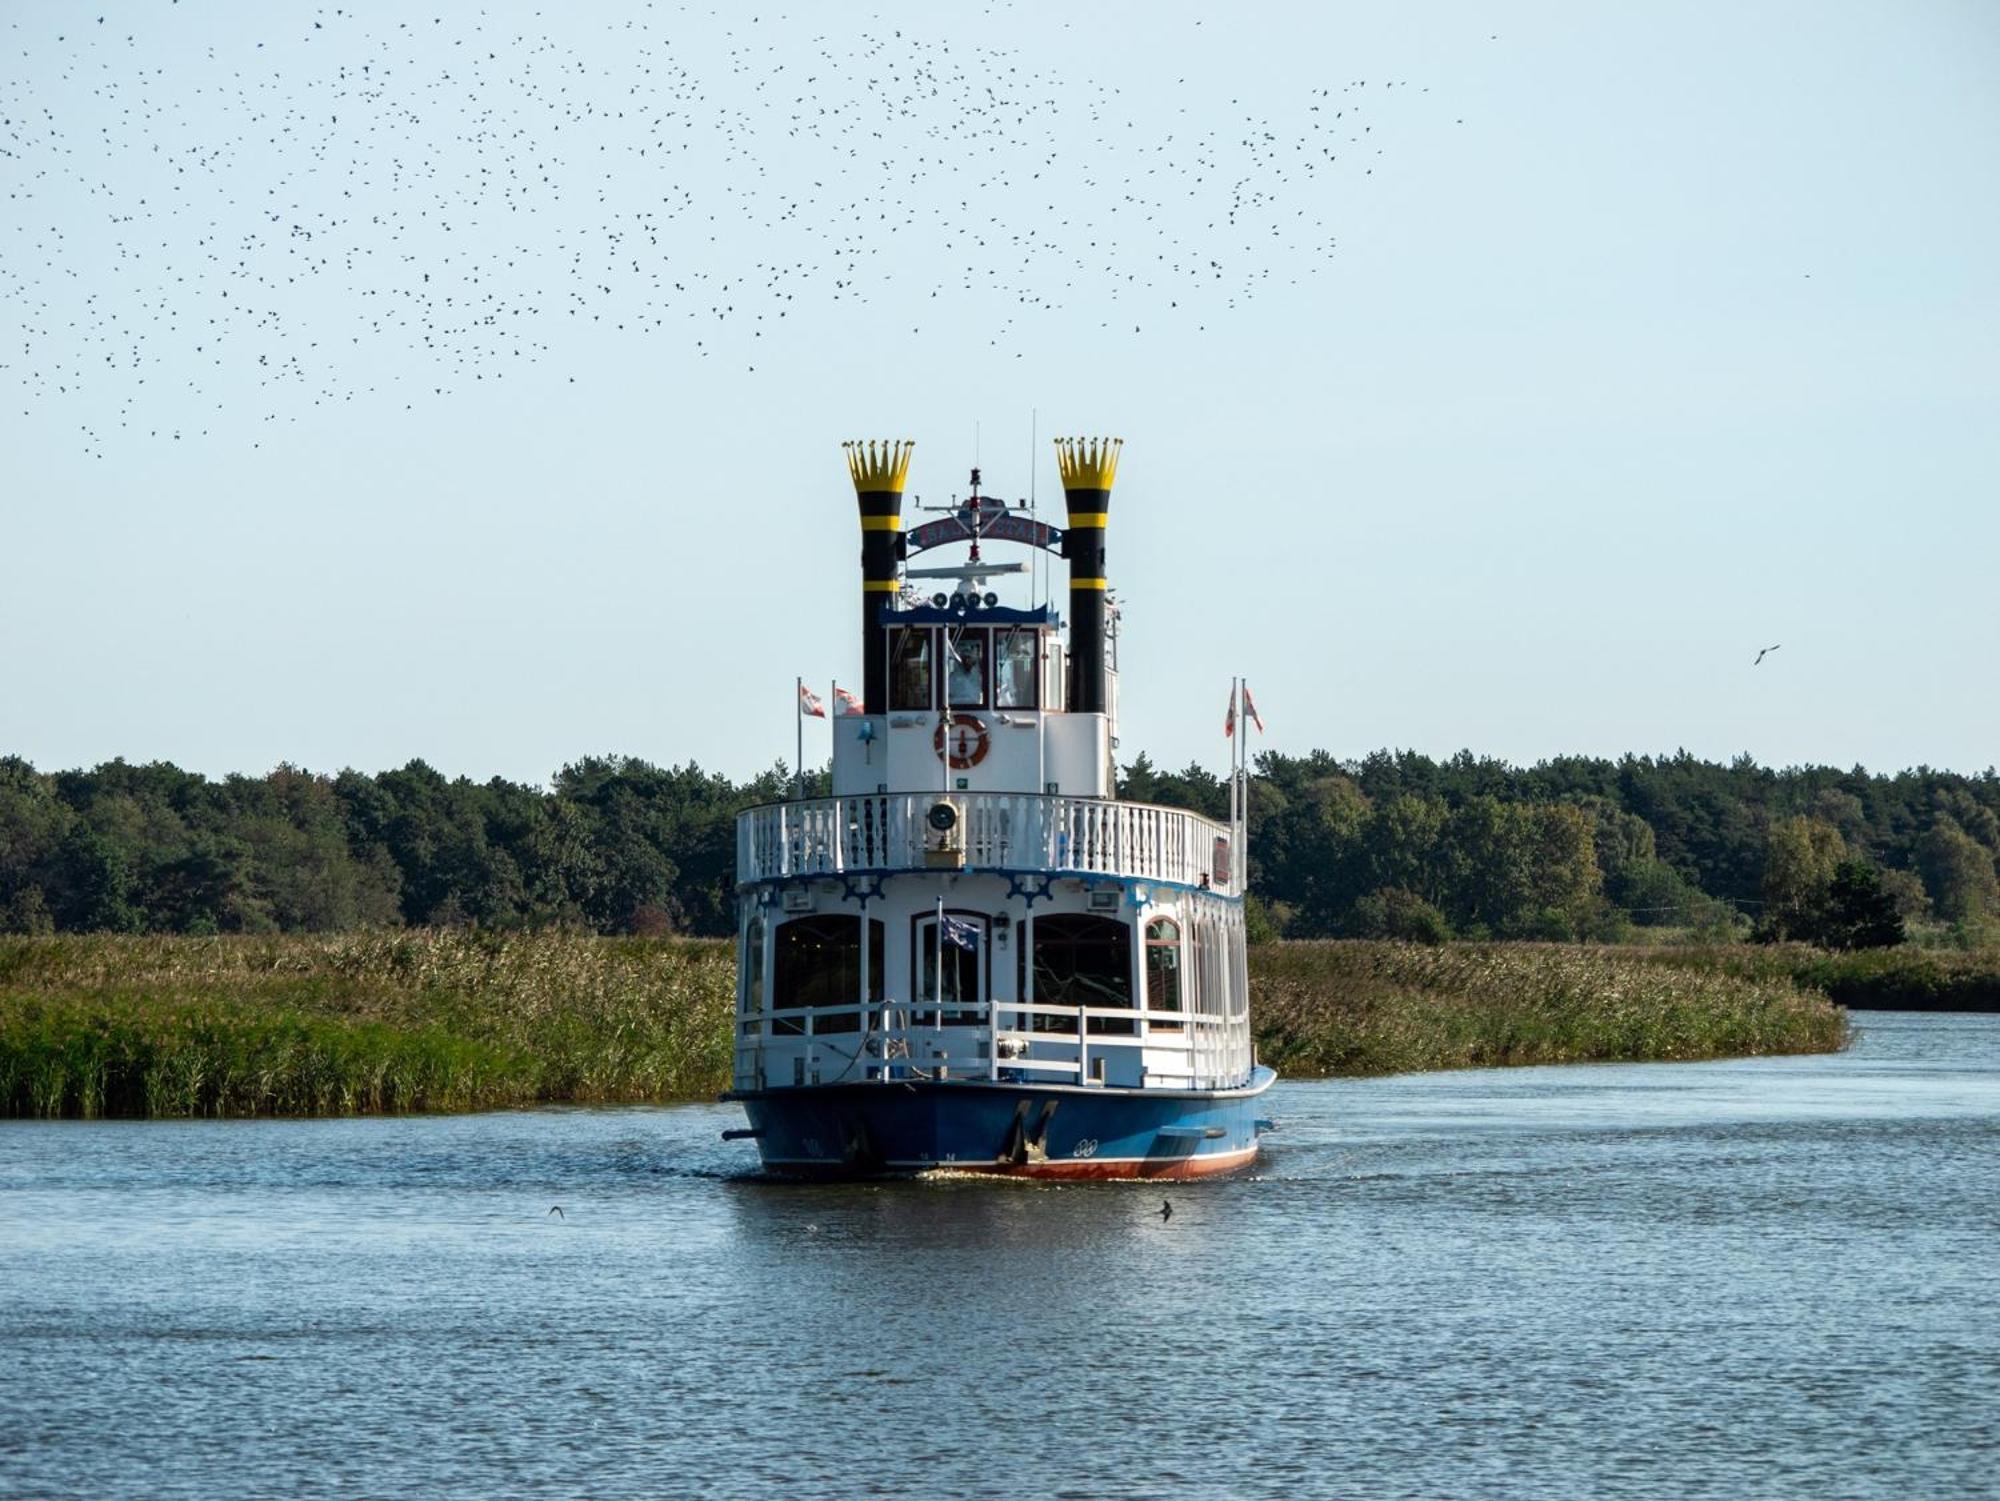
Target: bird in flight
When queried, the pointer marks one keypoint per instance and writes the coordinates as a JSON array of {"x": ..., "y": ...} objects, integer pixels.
[
  {"x": 1166, "y": 1209},
  {"x": 556, "y": 1210},
  {"x": 1765, "y": 653}
]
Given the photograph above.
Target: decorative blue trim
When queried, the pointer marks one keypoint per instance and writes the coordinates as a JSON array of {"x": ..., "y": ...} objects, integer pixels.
[
  {"x": 1019, "y": 884},
  {"x": 862, "y": 887}
]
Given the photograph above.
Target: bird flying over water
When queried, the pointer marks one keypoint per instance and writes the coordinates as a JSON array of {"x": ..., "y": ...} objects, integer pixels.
[
  {"x": 1765, "y": 653},
  {"x": 556, "y": 1210},
  {"x": 1166, "y": 1209}
]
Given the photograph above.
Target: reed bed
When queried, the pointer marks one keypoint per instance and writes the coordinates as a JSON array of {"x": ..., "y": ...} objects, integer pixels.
[
  {"x": 1378, "y": 1008},
  {"x": 1906, "y": 978},
  {"x": 100, "y": 1025},
  {"x": 302, "y": 1025}
]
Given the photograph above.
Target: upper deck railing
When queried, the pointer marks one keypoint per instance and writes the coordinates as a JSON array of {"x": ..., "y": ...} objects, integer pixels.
[{"x": 1012, "y": 831}]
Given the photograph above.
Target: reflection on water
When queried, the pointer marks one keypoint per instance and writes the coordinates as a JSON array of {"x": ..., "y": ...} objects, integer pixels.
[{"x": 1740, "y": 1279}]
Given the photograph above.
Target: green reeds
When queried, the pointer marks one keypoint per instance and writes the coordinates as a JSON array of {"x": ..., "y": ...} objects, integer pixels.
[
  {"x": 1905, "y": 978},
  {"x": 302, "y": 1025},
  {"x": 102, "y": 1025},
  {"x": 1378, "y": 1008}
]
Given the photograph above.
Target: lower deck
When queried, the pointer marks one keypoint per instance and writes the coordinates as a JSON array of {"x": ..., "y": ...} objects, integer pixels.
[{"x": 986, "y": 977}]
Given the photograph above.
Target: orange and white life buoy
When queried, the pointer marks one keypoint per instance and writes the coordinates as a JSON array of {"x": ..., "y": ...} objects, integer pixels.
[{"x": 968, "y": 740}]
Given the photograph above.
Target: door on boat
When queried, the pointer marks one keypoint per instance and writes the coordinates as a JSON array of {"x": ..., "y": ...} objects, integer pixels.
[{"x": 961, "y": 969}]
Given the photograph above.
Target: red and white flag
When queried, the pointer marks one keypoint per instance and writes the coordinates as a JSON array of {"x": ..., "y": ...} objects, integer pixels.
[
  {"x": 845, "y": 702},
  {"x": 1250, "y": 710},
  {"x": 1229, "y": 724},
  {"x": 809, "y": 703}
]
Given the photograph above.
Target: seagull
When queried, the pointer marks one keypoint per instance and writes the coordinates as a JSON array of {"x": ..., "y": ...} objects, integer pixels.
[
  {"x": 1166, "y": 1209},
  {"x": 556, "y": 1210},
  {"x": 1765, "y": 653}
]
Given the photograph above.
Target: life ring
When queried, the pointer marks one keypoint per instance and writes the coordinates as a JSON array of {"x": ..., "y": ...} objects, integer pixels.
[{"x": 969, "y": 741}]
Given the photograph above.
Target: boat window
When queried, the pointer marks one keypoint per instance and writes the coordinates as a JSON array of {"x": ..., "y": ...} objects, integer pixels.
[
  {"x": 1083, "y": 960},
  {"x": 1014, "y": 654},
  {"x": 960, "y": 972},
  {"x": 818, "y": 963},
  {"x": 753, "y": 971},
  {"x": 965, "y": 671},
  {"x": 1214, "y": 995},
  {"x": 910, "y": 669},
  {"x": 1163, "y": 973},
  {"x": 1194, "y": 993}
]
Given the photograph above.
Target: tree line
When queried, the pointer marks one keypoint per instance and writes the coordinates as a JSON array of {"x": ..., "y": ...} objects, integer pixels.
[{"x": 1395, "y": 844}]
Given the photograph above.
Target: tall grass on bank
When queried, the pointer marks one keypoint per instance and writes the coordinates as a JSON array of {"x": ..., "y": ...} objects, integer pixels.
[
  {"x": 301, "y": 1025},
  {"x": 1896, "y": 979},
  {"x": 99, "y": 1025},
  {"x": 1377, "y": 1008}
]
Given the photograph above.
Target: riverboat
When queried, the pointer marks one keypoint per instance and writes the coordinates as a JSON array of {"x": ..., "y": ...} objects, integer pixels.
[{"x": 973, "y": 955}]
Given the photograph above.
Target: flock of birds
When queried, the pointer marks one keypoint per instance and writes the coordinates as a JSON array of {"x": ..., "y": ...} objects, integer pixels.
[{"x": 209, "y": 224}]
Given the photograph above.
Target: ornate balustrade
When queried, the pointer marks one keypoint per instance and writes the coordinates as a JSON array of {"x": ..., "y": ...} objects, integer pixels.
[{"x": 1004, "y": 831}]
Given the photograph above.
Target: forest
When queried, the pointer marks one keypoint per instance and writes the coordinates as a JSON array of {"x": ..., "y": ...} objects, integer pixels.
[{"x": 1393, "y": 845}]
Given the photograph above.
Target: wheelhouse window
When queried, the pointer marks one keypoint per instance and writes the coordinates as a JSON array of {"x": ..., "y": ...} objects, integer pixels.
[
  {"x": 910, "y": 669},
  {"x": 965, "y": 668},
  {"x": 1163, "y": 974},
  {"x": 818, "y": 963},
  {"x": 1083, "y": 960},
  {"x": 960, "y": 971},
  {"x": 1015, "y": 657}
]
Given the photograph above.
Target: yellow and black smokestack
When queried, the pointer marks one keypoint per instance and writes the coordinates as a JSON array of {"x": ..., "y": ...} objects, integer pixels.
[
  {"x": 879, "y": 469},
  {"x": 1089, "y": 466}
]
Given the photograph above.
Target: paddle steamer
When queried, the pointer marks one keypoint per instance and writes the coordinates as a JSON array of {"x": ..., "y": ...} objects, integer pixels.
[{"x": 974, "y": 956}]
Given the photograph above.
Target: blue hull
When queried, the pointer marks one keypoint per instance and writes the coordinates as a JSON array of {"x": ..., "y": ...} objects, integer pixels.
[{"x": 1033, "y": 1130}]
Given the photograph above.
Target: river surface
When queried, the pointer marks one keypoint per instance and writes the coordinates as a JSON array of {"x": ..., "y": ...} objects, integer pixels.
[{"x": 1778, "y": 1277}]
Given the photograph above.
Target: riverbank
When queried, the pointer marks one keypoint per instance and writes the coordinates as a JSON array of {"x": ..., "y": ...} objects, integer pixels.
[
  {"x": 357, "y": 1024},
  {"x": 1905, "y": 978},
  {"x": 1378, "y": 1008},
  {"x": 102, "y": 1025}
]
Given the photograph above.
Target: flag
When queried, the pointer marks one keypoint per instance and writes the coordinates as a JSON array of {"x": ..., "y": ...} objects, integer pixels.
[
  {"x": 845, "y": 702},
  {"x": 959, "y": 932},
  {"x": 1250, "y": 709},
  {"x": 809, "y": 703},
  {"x": 1229, "y": 724}
]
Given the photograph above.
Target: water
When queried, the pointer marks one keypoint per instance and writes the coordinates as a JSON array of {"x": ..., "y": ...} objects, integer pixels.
[{"x": 1767, "y": 1278}]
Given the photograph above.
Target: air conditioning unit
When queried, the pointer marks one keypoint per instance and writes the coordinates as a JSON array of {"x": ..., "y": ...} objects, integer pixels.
[{"x": 944, "y": 835}]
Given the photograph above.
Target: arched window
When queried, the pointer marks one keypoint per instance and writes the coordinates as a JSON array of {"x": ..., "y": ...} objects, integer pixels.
[
  {"x": 961, "y": 967},
  {"x": 818, "y": 963},
  {"x": 1082, "y": 959},
  {"x": 1163, "y": 974}
]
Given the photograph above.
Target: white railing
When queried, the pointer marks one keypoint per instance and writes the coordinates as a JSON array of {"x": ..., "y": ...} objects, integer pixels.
[
  {"x": 833, "y": 836},
  {"x": 1181, "y": 1050}
]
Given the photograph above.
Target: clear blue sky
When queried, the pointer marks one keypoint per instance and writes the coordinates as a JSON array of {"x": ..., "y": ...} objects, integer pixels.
[{"x": 1556, "y": 358}]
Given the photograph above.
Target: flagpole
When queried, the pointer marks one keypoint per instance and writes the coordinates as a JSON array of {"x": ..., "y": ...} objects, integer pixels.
[
  {"x": 1235, "y": 745},
  {"x": 937, "y": 995},
  {"x": 799, "y": 715},
  {"x": 1237, "y": 779}
]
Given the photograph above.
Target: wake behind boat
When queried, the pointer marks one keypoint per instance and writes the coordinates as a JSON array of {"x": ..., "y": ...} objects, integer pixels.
[{"x": 973, "y": 955}]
